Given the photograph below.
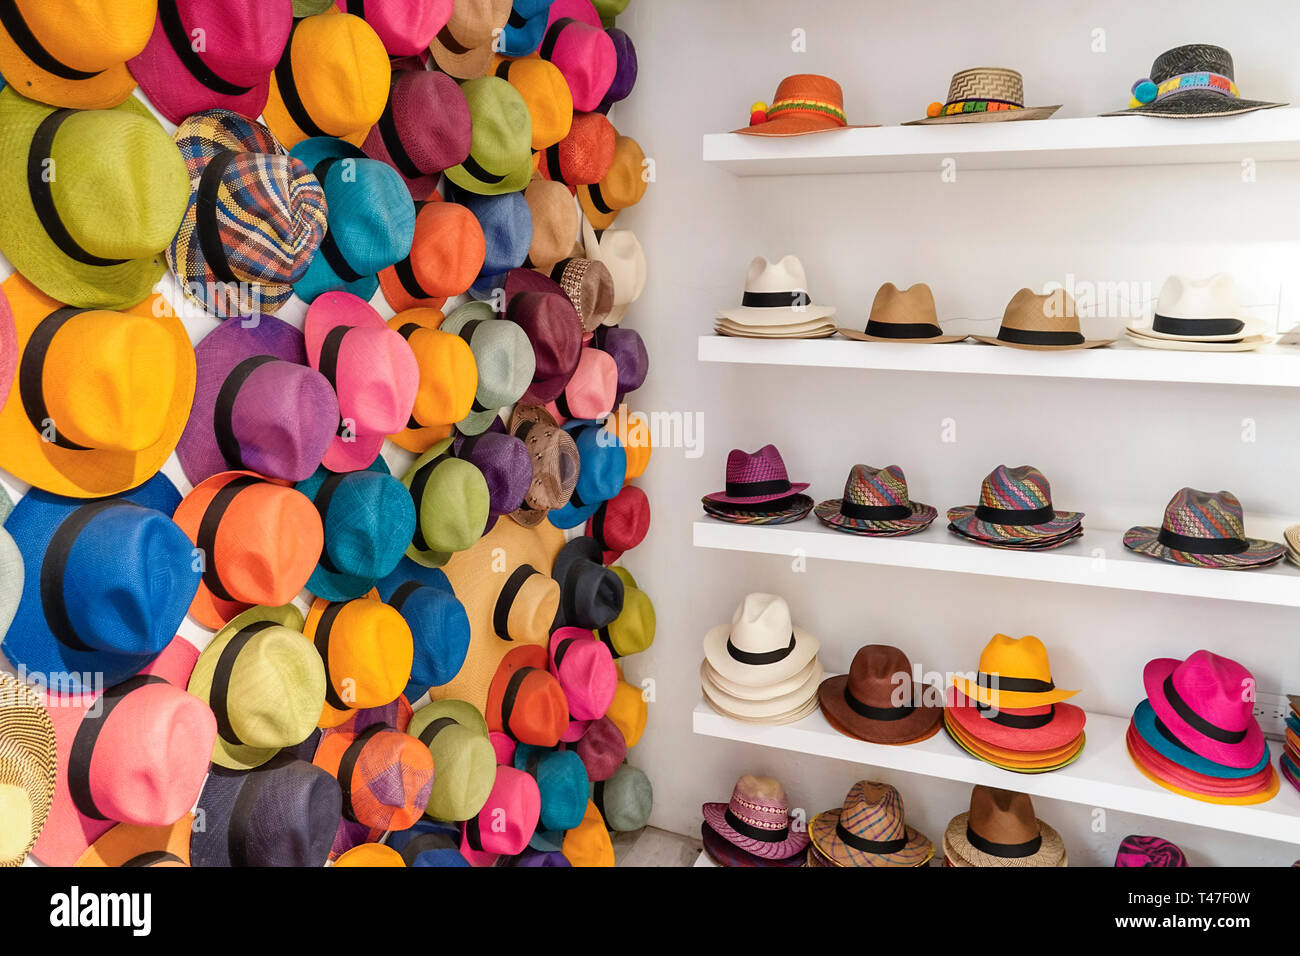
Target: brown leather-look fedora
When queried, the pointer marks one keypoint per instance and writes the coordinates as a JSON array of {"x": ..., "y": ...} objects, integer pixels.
[
  {"x": 1044, "y": 323},
  {"x": 862, "y": 702},
  {"x": 1000, "y": 830}
]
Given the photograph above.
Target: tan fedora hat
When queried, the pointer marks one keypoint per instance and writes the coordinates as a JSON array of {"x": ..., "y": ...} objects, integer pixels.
[
  {"x": 463, "y": 48},
  {"x": 1044, "y": 323},
  {"x": 902, "y": 316},
  {"x": 555, "y": 223},
  {"x": 1000, "y": 829}
]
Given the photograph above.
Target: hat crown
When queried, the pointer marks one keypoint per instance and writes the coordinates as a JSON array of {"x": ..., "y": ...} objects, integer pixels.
[
  {"x": 1001, "y": 816},
  {"x": 371, "y": 651},
  {"x": 1212, "y": 298},
  {"x": 284, "y": 418},
  {"x": 341, "y": 72},
  {"x": 371, "y": 215},
  {"x": 505, "y": 360},
  {"x": 1024, "y": 657},
  {"x": 472, "y": 21},
  {"x": 1204, "y": 514},
  {"x": 765, "y": 464},
  {"x": 282, "y": 216},
  {"x": 242, "y": 39},
  {"x": 1135, "y": 850},
  {"x": 502, "y": 134},
  {"x": 276, "y": 689},
  {"x": 987, "y": 83},
  {"x": 1053, "y": 311},
  {"x": 786, "y": 275},
  {"x": 1022, "y": 488},
  {"x": 874, "y": 811},
  {"x": 877, "y": 673},
  {"x": 382, "y": 377},
  {"x": 911, "y": 306},
  {"x": 1217, "y": 688},
  {"x": 94, "y": 36},
  {"x": 1192, "y": 58},
  {"x": 761, "y": 623},
  {"x": 369, "y": 523},
  {"x": 876, "y": 486},
  {"x": 761, "y": 802}
]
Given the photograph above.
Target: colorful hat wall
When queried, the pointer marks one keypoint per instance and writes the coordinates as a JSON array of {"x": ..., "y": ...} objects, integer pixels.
[{"x": 248, "y": 401}]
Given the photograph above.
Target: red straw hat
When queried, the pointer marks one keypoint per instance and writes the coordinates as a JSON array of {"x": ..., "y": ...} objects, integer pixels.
[
  {"x": 525, "y": 701},
  {"x": 424, "y": 129},
  {"x": 585, "y": 155},
  {"x": 621, "y": 523},
  {"x": 385, "y": 776}
]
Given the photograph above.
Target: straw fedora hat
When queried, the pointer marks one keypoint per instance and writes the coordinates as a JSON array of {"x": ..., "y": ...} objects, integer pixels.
[
  {"x": 506, "y": 465},
  {"x": 1150, "y": 731},
  {"x": 633, "y": 433},
  {"x": 876, "y": 502},
  {"x": 1190, "y": 81},
  {"x": 761, "y": 645},
  {"x": 804, "y": 103},
  {"x": 428, "y": 844},
  {"x": 902, "y": 316},
  {"x": 1049, "y": 730},
  {"x": 629, "y": 712},
  {"x": 448, "y": 379},
  {"x": 452, "y": 502},
  {"x": 1199, "y": 701},
  {"x": 621, "y": 523},
  {"x": 584, "y": 156},
  {"x": 74, "y": 59},
  {"x": 865, "y": 702},
  {"x": 406, "y": 27},
  {"x": 524, "y": 701},
  {"x": 1000, "y": 829},
  {"x": 757, "y": 819},
  {"x": 591, "y": 595},
  {"x": 265, "y": 683},
  {"x": 576, "y": 42},
  {"x": 585, "y": 670},
  {"x": 1002, "y": 514},
  {"x": 370, "y": 855},
  {"x": 1205, "y": 529},
  {"x": 623, "y": 185},
  {"x": 562, "y": 782},
  {"x": 1043, "y": 323},
  {"x": 625, "y": 800},
  {"x": 776, "y": 293},
  {"x": 385, "y": 775},
  {"x": 551, "y": 322},
  {"x": 1014, "y": 673},
  {"x": 1017, "y": 761},
  {"x": 509, "y": 817},
  {"x": 1197, "y": 311},
  {"x": 507, "y": 227},
  {"x": 500, "y": 158},
  {"x": 367, "y": 650},
  {"x": 463, "y": 47},
  {"x": 463, "y": 759},
  {"x": 332, "y": 80},
  {"x": 260, "y": 542},
  {"x": 621, "y": 253},
  {"x": 984, "y": 94},
  {"x": 556, "y": 465},
  {"x": 765, "y": 707},
  {"x": 504, "y": 359},
  {"x": 102, "y": 397},
  {"x": 602, "y": 472},
  {"x": 129, "y": 844},
  {"x": 28, "y": 758},
  {"x": 555, "y": 223},
  {"x": 90, "y": 237},
  {"x": 542, "y": 85},
  {"x": 625, "y": 75},
  {"x": 447, "y": 254},
  {"x": 589, "y": 843},
  {"x": 439, "y": 625},
  {"x": 869, "y": 830}
]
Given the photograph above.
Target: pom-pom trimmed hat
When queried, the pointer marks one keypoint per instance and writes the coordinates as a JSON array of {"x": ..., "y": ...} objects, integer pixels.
[
  {"x": 371, "y": 219},
  {"x": 259, "y": 541},
  {"x": 1193, "y": 80},
  {"x": 500, "y": 159},
  {"x": 1000, "y": 830},
  {"x": 591, "y": 595},
  {"x": 406, "y": 27},
  {"x": 265, "y": 684},
  {"x": 367, "y": 649},
  {"x": 525, "y": 28},
  {"x": 331, "y": 80},
  {"x": 452, "y": 502},
  {"x": 757, "y": 819},
  {"x": 1204, "y": 701},
  {"x": 231, "y": 68},
  {"x": 984, "y": 94},
  {"x": 804, "y": 103},
  {"x": 255, "y": 217},
  {"x": 28, "y": 761},
  {"x": 439, "y": 625},
  {"x": 576, "y": 42},
  {"x": 257, "y": 406},
  {"x": 448, "y": 378},
  {"x": 424, "y": 129},
  {"x": 1204, "y": 529},
  {"x": 464, "y": 762},
  {"x": 1014, "y": 673},
  {"x": 761, "y": 646},
  {"x": 372, "y": 370},
  {"x": 447, "y": 255},
  {"x": 621, "y": 523},
  {"x": 463, "y": 47},
  {"x": 1015, "y": 505},
  {"x": 555, "y": 224},
  {"x": 861, "y": 703},
  {"x": 90, "y": 227},
  {"x": 129, "y": 844},
  {"x": 876, "y": 502},
  {"x": 86, "y": 608},
  {"x": 385, "y": 776},
  {"x": 869, "y": 830},
  {"x": 72, "y": 58},
  {"x": 101, "y": 398}
]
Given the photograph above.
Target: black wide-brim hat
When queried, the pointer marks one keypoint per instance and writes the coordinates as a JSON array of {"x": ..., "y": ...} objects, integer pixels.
[{"x": 1195, "y": 98}]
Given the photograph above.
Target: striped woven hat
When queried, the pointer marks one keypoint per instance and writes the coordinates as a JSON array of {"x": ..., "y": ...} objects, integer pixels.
[
  {"x": 869, "y": 830},
  {"x": 1205, "y": 529},
  {"x": 984, "y": 94},
  {"x": 875, "y": 502},
  {"x": 1015, "y": 505},
  {"x": 27, "y": 767},
  {"x": 757, "y": 819}
]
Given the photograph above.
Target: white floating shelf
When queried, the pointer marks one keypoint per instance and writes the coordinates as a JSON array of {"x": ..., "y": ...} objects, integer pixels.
[
  {"x": 1098, "y": 559},
  {"x": 1275, "y": 366},
  {"x": 1263, "y": 136},
  {"x": 1103, "y": 776}
]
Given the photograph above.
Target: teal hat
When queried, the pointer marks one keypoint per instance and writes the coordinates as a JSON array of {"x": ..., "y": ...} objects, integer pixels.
[
  {"x": 562, "y": 779},
  {"x": 625, "y": 799},
  {"x": 501, "y": 153},
  {"x": 368, "y": 519},
  {"x": 527, "y": 25},
  {"x": 371, "y": 219},
  {"x": 452, "y": 502},
  {"x": 602, "y": 467},
  {"x": 505, "y": 359}
]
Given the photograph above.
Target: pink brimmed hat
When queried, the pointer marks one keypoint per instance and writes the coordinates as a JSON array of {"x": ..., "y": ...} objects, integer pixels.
[
  {"x": 231, "y": 68},
  {"x": 589, "y": 394},
  {"x": 1206, "y": 702},
  {"x": 406, "y": 27},
  {"x": 754, "y": 477},
  {"x": 576, "y": 42},
  {"x": 586, "y": 672},
  {"x": 509, "y": 818},
  {"x": 425, "y": 128},
  {"x": 757, "y": 819},
  {"x": 1033, "y": 729},
  {"x": 372, "y": 370}
]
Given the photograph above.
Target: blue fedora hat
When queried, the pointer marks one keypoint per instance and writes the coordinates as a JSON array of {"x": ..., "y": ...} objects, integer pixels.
[
  {"x": 371, "y": 219},
  {"x": 107, "y": 582},
  {"x": 369, "y": 518},
  {"x": 602, "y": 467},
  {"x": 1151, "y": 730},
  {"x": 507, "y": 222},
  {"x": 437, "y": 619},
  {"x": 525, "y": 28},
  {"x": 429, "y": 844},
  {"x": 562, "y": 779}
]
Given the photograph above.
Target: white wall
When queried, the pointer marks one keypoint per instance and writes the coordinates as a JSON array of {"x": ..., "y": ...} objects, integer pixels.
[{"x": 1114, "y": 450}]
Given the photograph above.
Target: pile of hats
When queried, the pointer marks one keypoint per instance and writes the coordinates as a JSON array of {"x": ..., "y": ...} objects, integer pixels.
[
  {"x": 1012, "y": 714},
  {"x": 758, "y": 490},
  {"x": 1196, "y": 732},
  {"x": 390, "y": 230},
  {"x": 761, "y": 668},
  {"x": 1198, "y": 315},
  {"x": 1289, "y": 762},
  {"x": 1001, "y": 830},
  {"x": 1015, "y": 512},
  {"x": 755, "y": 827},
  {"x": 1204, "y": 529},
  {"x": 776, "y": 305}
]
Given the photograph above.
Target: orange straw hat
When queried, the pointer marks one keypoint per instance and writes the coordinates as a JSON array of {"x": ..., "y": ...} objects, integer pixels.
[
  {"x": 525, "y": 701},
  {"x": 589, "y": 843},
  {"x": 73, "y": 53},
  {"x": 448, "y": 379},
  {"x": 367, "y": 649},
  {"x": 260, "y": 542},
  {"x": 332, "y": 80},
  {"x": 633, "y": 433},
  {"x": 546, "y": 92},
  {"x": 446, "y": 257},
  {"x": 629, "y": 711},
  {"x": 385, "y": 776},
  {"x": 622, "y": 187},
  {"x": 101, "y": 398},
  {"x": 555, "y": 223},
  {"x": 804, "y": 103},
  {"x": 129, "y": 844},
  {"x": 582, "y": 157},
  {"x": 371, "y": 854}
]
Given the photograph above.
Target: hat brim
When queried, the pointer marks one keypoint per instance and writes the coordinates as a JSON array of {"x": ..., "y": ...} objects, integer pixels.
[
  {"x": 759, "y": 708},
  {"x": 958, "y": 848},
  {"x": 828, "y": 513},
  {"x": 1174, "y": 783},
  {"x": 751, "y": 317},
  {"x": 1249, "y": 330},
  {"x": 797, "y": 126},
  {"x": 474, "y": 63},
  {"x": 1190, "y": 345},
  {"x": 104, "y": 90},
  {"x": 1015, "y": 761},
  {"x": 1145, "y": 726},
  {"x": 1033, "y": 544},
  {"x": 127, "y": 842},
  {"x": 742, "y": 692},
  {"x": 722, "y": 498},
  {"x": 1010, "y": 700},
  {"x": 810, "y": 332},
  {"x": 921, "y": 724},
  {"x": 1258, "y": 554},
  {"x": 1086, "y": 344},
  {"x": 727, "y": 854},
  {"x": 931, "y": 340},
  {"x": 758, "y": 675},
  {"x": 1243, "y": 753},
  {"x": 789, "y": 717},
  {"x": 824, "y": 834},
  {"x": 985, "y": 116},
  {"x": 963, "y": 517},
  {"x": 516, "y": 180},
  {"x": 796, "y": 841},
  {"x": 1194, "y": 104},
  {"x": 796, "y": 509},
  {"x": 175, "y": 92},
  {"x": 1060, "y": 732}
]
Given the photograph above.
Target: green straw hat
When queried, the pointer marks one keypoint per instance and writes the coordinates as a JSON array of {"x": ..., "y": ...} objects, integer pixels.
[
  {"x": 634, "y": 628},
  {"x": 451, "y": 505},
  {"x": 501, "y": 152},
  {"x": 309, "y": 8},
  {"x": 265, "y": 683},
  {"x": 465, "y": 765},
  {"x": 607, "y": 9},
  {"x": 504, "y": 356},
  {"x": 625, "y": 799},
  {"x": 90, "y": 230}
]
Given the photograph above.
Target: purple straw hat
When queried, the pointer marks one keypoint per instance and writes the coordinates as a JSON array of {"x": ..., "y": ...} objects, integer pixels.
[
  {"x": 1015, "y": 505},
  {"x": 505, "y": 463},
  {"x": 1148, "y": 851},
  {"x": 602, "y": 749},
  {"x": 728, "y": 854},
  {"x": 757, "y": 819},
  {"x": 1204, "y": 529},
  {"x": 629, "y": 353},
  {"x": 257, "y": 405},
  {"x": 552, "y": 325},
  {"x": 425, "y": 128},
  {"x": 625, "y": 74},
  {"x": 756, "y": 477}
]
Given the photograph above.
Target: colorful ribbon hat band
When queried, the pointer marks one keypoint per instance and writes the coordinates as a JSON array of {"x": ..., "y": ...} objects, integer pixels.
[
  {"x": 804, "y": 105},
  {"x": 954, "y": 107},
  {"x": 1146, "y": 92}
]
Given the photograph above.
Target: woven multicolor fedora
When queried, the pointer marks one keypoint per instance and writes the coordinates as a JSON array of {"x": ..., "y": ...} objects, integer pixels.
[
  {"x": 869, "y": 830},
  {"x": 1000, "y": 829},
  {"x": 1015, "y": 505},
  {"x": 984, "y": 94},
  {"x": 757, "y": 819},
  {"x": 875, "y": 502},
  {"x": 780, "y": 511},
  {"x": 724, "y": 853},
  {"x": 1205, "y": 529},
  {"x": 755, "y": 478},
  {"x": 1193, "y": 80},
  {"x": 1135, "y": 850}
]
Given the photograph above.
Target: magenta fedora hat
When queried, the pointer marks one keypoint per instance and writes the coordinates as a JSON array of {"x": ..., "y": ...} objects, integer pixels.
[
  {"x": 424, "y": 129},
  {"x": 757, "y": 819},
  {"x": 257, "y": 406},
  {"x": 551, "y": 323},
  {"x": 753, "y": 477},
  {"x": 212, "y": 54},
  {"x": 406, "y": 27},
  {"x": 1207, "y": 702},
  {"x": 585, "y": 669},
  {"x": 578, "y": 45},
  {"x": 602, "y": 748}
]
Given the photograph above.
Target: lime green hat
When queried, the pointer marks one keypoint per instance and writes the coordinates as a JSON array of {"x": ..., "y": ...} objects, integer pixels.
[
  {"x": 609, "y": 9},
  {"x": 90, "y": 228},
  {"x": 265, "y": 683},
  {"x": 464, "y": 763},
  {"x": 501, "y": 152},
  {"x": 309, "y": 8},
  {"x": 452, "y": 501},
  {"x": 634, "y": 628}
]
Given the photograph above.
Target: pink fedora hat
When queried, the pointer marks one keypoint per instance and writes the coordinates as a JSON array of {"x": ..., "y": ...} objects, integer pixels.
[
  {"x": 509, "y": 818},
  {"x": 757, "y": 819},
  {"x": 583, "y": 666},
  {"x": 756, "y": 477},
  {"x": 425, "y": 128},
  {"x": 257, "y": 406},
  {"x": 1207, "y": 702},
  {"x": 212, "y": 54},
  {"x": 136, "y": 753},
  {"x": 372, "y": 369},
  {"x": 406, "y": 27},
  {"x": 8, "y": 348},
  {"x": 576, "y": 42},
  {"x": 589, "y": 394}
]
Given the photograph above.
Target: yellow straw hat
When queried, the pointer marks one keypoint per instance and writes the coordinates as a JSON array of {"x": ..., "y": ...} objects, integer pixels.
[
  {"x": 628, "y": 711},
  {"x": 367, "y": 648},
  {"x": 546, "y": 93},
  {"x": 1014, "y": 673},
  {"x": 371, "y": 854}
]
